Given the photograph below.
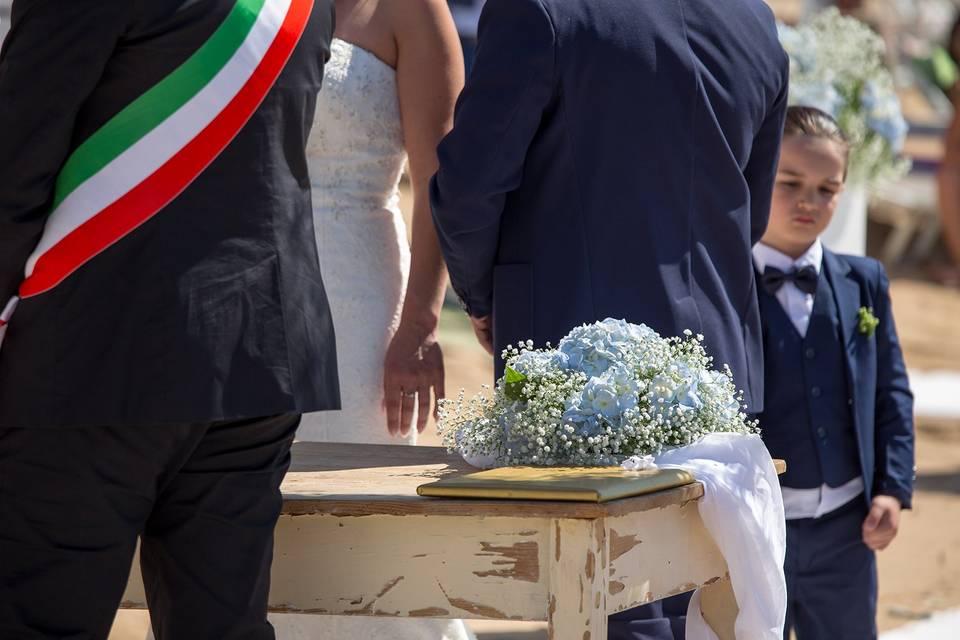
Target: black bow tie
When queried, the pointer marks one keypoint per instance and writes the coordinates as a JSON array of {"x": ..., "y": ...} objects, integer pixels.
[{"x": 805, "y": 279}]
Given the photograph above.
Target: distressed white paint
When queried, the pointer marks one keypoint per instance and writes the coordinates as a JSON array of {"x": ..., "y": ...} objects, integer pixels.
[
  {"x": 570, "y": 572},
  {"x": 577, "y": 606},
  {"x": 658, "y": 553},
  {"x": 389, "y": 553},
  {"x": 459, "y": 567}
]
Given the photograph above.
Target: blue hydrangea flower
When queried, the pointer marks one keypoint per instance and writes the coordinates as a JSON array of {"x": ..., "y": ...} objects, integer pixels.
[
  {"x": 681, "y": 389},
  {"x": 884, "y": 115},
  {"x": 584, "y": 424},
  {"x": 539, "y": 363},
  {"x": 822, "y": 95},
  {"x": 587, "y": 351},
  {"x": 626, "y": 335},
  {"x": 802, "y": 51},
  {"x": 600, "y": 396},
  {"x": 594, "y": 348},
  {"x": 624, "y": 383}
]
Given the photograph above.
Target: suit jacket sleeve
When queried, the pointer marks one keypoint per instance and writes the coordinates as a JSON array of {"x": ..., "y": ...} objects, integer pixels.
[
  {"x": 761, "y": 171},
  {"x": 52, "y": 58},
  {"x": 482, "y": 159},
  {"x": 894, "y": 409}
]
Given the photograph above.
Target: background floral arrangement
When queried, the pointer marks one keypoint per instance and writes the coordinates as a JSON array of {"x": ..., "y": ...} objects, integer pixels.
[
  {"x": 609, "y": 391},
  {"x": 836, "y": 65}
]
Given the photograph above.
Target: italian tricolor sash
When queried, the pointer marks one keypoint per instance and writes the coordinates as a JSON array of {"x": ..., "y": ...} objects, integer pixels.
[{"x": 147, "y": 154}]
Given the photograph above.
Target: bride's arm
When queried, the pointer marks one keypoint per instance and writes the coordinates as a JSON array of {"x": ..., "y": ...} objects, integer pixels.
[{"x": 429, "y": 78}]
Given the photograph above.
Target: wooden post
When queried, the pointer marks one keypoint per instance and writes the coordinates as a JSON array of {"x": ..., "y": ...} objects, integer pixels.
[
  {"x": 719, "y": 608},
  {"x": 577, "y": 605}
]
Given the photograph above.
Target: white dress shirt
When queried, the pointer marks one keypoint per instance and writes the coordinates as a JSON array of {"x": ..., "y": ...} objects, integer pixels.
[
  {"x": 804, "y": 503},
  {"x": 797, "y": 304}
]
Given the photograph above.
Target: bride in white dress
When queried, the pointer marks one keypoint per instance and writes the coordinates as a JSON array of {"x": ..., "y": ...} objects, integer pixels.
[
  {"x": 388, "y": 96},
  {"x": 387, "y": 99}
]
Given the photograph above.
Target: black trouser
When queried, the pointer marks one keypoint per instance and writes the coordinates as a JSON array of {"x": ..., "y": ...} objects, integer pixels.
[{"x": 203, "y": 498}]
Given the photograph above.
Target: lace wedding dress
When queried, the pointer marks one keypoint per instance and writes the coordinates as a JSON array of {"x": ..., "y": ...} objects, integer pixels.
[{"x": 356, "y": 156}]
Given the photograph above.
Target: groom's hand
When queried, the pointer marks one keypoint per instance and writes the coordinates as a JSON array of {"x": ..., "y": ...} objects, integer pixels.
[
  {"x": 882, "y": 523},
  {"x": 483, "y": 327}
]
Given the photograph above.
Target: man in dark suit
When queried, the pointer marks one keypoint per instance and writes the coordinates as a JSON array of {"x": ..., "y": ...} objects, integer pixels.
[
  {"x": 615, "y": 159},
  {"x": 153, "y": 387}
]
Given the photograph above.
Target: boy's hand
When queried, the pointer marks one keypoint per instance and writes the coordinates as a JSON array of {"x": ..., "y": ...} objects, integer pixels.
[{"x": 882, "y": 523}]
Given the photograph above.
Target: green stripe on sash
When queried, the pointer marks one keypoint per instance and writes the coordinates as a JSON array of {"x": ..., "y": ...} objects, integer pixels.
[{"x": 160, "y": 102}]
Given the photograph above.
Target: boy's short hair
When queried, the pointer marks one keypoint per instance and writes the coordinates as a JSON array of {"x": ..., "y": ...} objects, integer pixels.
[{"x": 810, "y": 122}]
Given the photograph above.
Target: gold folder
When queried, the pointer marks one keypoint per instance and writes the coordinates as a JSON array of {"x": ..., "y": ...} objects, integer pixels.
[{"x": 575, "y": 484}]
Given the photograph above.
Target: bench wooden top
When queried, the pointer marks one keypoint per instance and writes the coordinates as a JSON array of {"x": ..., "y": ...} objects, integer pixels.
[{"x": 363, "y": 479}]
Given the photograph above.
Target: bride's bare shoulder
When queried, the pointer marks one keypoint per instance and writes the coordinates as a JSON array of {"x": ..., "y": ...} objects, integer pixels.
[
  {"x": 365, "y": 23},
  {"x": 421, "y": 19},
  {"x": 384, "y": 26}
]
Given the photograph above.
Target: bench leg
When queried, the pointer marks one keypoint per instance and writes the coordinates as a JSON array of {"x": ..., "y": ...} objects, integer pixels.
[
  {"x": 719, "y": 608},
  {"x": 577, "y": 607}
]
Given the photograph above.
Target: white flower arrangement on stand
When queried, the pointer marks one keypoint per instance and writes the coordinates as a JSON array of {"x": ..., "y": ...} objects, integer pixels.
[
  {"x": 610, "y": 391},
  {"x": 837, "y": 65},
  {"x": 618, "y": 394}
]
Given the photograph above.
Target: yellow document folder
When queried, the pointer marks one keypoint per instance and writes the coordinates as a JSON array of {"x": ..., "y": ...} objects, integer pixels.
[{"x": 575, "y": 484}]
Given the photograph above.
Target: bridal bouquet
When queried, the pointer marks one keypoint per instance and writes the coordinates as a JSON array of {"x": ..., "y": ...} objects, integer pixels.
[
  {"x": 609, "y": 391},
  {"x": 836, "y": 65}
]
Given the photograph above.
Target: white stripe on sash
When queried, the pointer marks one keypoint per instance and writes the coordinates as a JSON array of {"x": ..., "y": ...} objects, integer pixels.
[{"x": 151, "y": 152}]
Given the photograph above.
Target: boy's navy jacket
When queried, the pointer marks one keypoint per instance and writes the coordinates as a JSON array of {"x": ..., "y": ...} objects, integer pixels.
[{"x": 881, "y": 404}]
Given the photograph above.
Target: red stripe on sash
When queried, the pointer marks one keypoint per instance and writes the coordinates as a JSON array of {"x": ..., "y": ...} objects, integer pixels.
[{"x": 147, "y": 199}]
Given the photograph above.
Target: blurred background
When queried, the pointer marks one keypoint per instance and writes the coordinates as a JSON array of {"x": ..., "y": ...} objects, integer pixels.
[{"x": 911, "y": 228}]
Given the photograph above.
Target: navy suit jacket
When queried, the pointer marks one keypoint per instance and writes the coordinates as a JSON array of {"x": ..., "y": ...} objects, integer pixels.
[
  {"x": 876, "y": 377},
  {"x": 616, "y": 159}
]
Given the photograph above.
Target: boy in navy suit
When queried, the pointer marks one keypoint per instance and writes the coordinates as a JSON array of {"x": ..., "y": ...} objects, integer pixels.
[{"x": 837, "y": 404}]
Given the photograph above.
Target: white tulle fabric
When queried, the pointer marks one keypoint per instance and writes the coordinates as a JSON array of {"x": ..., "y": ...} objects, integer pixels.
[
  {"x": 356, "y": 156},
  {"x": 742, "y": 508}
]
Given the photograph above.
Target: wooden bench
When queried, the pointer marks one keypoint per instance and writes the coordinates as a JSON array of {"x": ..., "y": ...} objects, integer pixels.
[{"x": 355, "y": 539}]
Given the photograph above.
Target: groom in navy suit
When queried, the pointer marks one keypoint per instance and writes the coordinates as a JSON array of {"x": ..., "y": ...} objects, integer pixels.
[{"x": 616, "y": 159}]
